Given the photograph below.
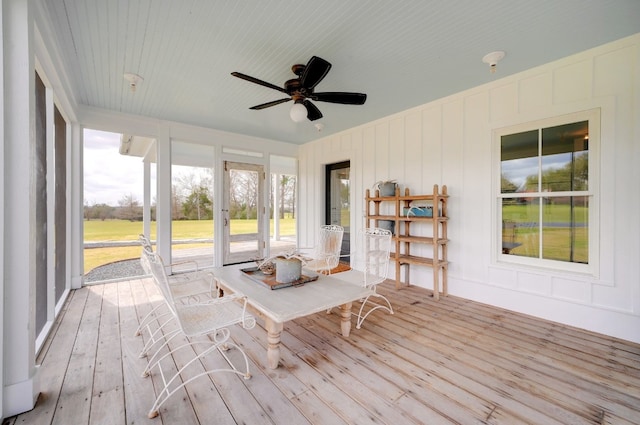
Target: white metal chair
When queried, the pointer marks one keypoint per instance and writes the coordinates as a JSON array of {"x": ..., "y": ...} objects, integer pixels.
[
  {"x": 372, "y": 252},
  {"x": 326, "y": 255},
  {"x": 186, "y": 287},
  {"x": 209, "y": 318}
]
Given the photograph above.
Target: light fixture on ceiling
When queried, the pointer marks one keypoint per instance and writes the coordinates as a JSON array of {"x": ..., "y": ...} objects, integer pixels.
[
  {"x": 492, "y": 59},
  {"x": 298, "y": 112},
  {"x": 133, "y": 79}
]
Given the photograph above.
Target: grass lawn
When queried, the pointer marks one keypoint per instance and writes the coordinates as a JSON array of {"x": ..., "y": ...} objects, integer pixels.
[
  {"x": 123, "y": 230},
  {"x": 550, "y": 213},
  {"x": 556, "y": 232}
]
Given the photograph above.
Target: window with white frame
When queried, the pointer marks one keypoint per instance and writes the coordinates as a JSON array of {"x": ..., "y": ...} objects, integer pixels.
[{"x": 546, "y": 191}]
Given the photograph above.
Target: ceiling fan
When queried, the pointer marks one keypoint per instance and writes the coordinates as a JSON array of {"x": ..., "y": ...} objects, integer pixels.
[{"x": 301, "y": 90}]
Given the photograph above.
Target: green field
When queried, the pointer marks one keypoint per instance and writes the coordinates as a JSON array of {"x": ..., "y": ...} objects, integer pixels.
[
  {"x": 556, "y": 234},
  {"x": 550, "y": 213},
  {"x": 124, "y": 230}
]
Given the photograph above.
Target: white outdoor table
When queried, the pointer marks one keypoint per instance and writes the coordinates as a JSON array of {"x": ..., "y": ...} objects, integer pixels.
[{"x": 281, "y": 305}]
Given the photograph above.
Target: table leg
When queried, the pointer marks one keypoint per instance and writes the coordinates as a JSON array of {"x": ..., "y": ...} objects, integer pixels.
[
  {"x": 345, "y": 319},
  {"x": 274, "y": 331}
]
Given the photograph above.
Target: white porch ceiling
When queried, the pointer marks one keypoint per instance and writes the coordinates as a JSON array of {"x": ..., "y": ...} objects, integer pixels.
[{"x": 401, "y": 53}]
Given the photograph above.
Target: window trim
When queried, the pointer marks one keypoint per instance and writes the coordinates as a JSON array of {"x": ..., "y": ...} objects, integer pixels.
[{"x": 593, "y": 116}]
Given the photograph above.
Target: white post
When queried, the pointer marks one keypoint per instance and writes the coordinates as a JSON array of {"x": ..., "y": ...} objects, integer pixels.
[
  {"x": 276, "y": 207},
  {"x": 75, "y": 183},
  {"x": 20, "y": 377},
  {"x": 2, "y": 180},
  {"x": 163, "y": 206},
  {"x": 146, "y": 199}
]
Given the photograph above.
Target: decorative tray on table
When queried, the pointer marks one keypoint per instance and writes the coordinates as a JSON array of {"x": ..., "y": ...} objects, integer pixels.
[{"x": 269, "y": 280}]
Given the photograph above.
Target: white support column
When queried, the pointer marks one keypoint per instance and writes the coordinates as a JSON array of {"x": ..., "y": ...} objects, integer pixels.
[
  {"x": 20, "y": 380},
  {"x": 276, "y": 207},
  {"x": 69, "y": 208},
  {"x": 218, "y": 205},
  {"x": 146, "y": 199},
  {"x": 2, "y": 222},
  {"x": 163, "y": 205},
  {"x": 75, "y": 185}
]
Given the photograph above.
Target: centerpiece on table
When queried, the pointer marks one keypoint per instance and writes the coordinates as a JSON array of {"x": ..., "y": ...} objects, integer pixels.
[{"x": 287, "y": 266}]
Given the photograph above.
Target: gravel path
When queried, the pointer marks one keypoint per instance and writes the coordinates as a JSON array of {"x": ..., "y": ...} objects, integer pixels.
[{"x": 116, "y": 270}]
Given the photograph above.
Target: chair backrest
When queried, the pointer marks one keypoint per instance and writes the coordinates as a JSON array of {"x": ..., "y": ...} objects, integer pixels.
[
  {"x": 159, "y": 274},
  {"x": 146, "y": 246},
  {"x": 145, "y": 242},
  {"x": 508, "y": 231},
  {"x": 329, "y": 244},
  {"x": 373, "y": 248}
]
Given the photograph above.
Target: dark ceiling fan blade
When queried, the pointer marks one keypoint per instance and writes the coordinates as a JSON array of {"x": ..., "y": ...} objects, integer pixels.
[
  {"x": 316, "y": 69},
  {"x": 256, "y": 81},
  {"x": 313, "y": 113},
  {"x": 273, "y": 103},
  {"x": 340, "y": 97}
]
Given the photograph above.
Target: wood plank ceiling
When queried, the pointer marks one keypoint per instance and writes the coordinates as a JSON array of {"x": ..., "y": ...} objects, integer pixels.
[{"x": 401, "y": 54}]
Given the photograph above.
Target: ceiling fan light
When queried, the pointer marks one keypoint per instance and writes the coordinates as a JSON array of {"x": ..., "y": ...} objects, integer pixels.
[{"x": 298, "y": 112}]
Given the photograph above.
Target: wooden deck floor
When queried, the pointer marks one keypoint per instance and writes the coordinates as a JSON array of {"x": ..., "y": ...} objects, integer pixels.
[{"x": 452, "y": 361}]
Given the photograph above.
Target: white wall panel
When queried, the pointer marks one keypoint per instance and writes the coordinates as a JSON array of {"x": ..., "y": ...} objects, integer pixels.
[
  {"x": 614, "y": 298},
  {"x": 504, "y": 277},
  {"x": 614, "y": 72},
  {"x": 412, "y": 164},
  {"x": 535, "y": 283},
  {"x": 345, "y": 144},
  {"x": 358, "y": 182},
  {"x": 571, "y": 290},
  {"x": 474, "y": 218},
  {"x": 381, "y": 159},
  {"x": 605, "y": 195},
  {"x": 304, "y": 199},
  {"x": 452, "y": 175},
  {"x": 397, "y": 146},
  {"x": 449, "y": 142},
  {"x": 503, "y": 102},
  {"x": 432, "y": 150},
  {"x": 535, "y": 93},
  {"x": 335, "y": 145},
  {"x": 572, "y": 83},
  {"x": 368, "y": 157}
]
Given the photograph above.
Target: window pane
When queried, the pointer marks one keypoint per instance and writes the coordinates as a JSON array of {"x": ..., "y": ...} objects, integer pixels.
[
  {"x": 519, "y": 162},
  {"x": 520, "y": 228},
  {"x": 565, "y": 157},
  {"x": 192, "y": 205},
  {"x": 565, "y": 229}
]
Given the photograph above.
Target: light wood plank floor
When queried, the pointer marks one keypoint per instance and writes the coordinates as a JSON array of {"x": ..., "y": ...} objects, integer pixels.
[{"x": 452, "y": 361}]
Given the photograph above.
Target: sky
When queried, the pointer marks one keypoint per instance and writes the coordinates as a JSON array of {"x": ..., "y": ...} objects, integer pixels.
[{"x": 109, "y": 176}]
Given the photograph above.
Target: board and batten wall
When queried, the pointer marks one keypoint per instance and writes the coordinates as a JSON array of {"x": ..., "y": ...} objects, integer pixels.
[{"x": 449, "y": 141}]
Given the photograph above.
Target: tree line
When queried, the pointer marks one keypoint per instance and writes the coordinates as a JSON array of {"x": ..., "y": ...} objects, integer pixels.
[
  {"x": 573, "y": 176},
  {"x": 192, "y": 199}
]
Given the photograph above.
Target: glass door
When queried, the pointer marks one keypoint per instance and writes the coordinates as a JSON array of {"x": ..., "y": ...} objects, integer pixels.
[
  {"x": 338, "y": 190},
  {"x": 243, "y": 212}
]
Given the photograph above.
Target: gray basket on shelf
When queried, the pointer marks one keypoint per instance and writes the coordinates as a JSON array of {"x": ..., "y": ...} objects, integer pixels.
[
  {"x": 387, "y": 225},
  {"x": 387, "y": 188}
]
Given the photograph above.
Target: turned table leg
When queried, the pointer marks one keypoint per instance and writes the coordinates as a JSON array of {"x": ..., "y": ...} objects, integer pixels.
[
  {"x": 274, "y": 331},
  {"x": 345, "y": 319}
]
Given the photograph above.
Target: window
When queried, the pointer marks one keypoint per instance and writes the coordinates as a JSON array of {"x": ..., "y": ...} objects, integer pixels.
[{"x": 545, "y": 200}]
